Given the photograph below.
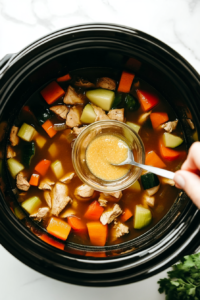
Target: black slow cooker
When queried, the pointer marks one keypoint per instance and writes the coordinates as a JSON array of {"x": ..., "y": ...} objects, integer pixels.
[{"x": 102, "y": 46}]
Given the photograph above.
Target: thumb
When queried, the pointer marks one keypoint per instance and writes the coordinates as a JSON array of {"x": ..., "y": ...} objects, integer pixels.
[{"x": 190, "y": 183}]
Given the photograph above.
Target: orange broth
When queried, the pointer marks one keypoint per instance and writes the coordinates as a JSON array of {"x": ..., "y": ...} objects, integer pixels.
[{"x": 164, "y": 198}]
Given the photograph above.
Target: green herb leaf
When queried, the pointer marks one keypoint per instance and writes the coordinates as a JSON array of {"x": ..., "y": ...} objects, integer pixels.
[{"x": 183, "y": 281}]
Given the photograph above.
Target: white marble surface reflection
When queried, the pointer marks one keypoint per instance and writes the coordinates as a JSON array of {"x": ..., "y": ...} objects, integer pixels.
[{"x": 175, "y": 22}]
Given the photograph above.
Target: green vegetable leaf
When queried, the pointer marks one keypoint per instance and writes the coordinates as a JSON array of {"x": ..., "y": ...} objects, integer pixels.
[
  {"x": 183, "y": 281},
  {"x": 117, "y": 101},
  {"x": 131, "y": 103}
]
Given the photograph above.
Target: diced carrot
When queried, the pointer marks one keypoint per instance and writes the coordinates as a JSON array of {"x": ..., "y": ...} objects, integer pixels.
[
  {"x": 96, "y": 254},
  {"x": 52, "y": 92},
  {"x": 42, "y": 166},
  {"x": 169, "y": 154},
  {"x": 77, "y": 224},
  {"x": 64, "y": 78},
  {"x": 94, "y": 211},
  {"x": 127, "y": 214},
  {"x": 48, "y": 127},
  {"x": 158, "y": 118},
  {"x": 152, "y": 159},
  {"x": 35, "y": 178},
  {"x": 126, "y": 81},
  {"x": 52, "y": 242},
  {"x": 147, "y": 100},
  {"x": 97, "y": 233},
  {"x": 59, "y": 228}
]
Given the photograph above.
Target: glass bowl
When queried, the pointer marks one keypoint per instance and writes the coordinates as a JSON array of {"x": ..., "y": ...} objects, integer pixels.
[{"x": 119, "y": 129}]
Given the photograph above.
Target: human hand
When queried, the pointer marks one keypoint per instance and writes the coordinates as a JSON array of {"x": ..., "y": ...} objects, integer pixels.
[{"x": 188, "y": 178}]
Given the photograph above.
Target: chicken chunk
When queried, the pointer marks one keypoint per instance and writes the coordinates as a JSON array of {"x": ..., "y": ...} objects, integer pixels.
[
  {"x": 100, "y": 113},
  {"x": 41, "y": 214},
  {"x": 60, "y": 110},
  {"x": 149, "y": 201},
  {"x": 60, "y": 198},
  {"x": 116, "y": 114},
  {"x": 117, "y": 194},
  {"x": 72, "y": 97},
  {"x": 21, "y": 182},
  {"x": 167, "y": 181},
  {"x": 84, "y": 192},
  {"x": 152, "y": 190},
  {"x": 68, "y": 177},
  {"x": 77, "y": 130},
  {"x": 10, "y": 152},
  {"x": 84, "y": 83},
  {"x": 14, "y": 139},
  {"x": 108, "y": 216},
  {"x": 190, "y": 123},
  {"x": 106, "y": 83},
  {"x": 119, "y": 230},
  {"x": 45, "y": 184},
  {"x": 47, "y": 197},
  {"x": 143, "y": 118},
  {"x": 74, "y": 116},
  {"x": 103, "y": 202},
  {"x": 170, "y": 126},
  {"x": 114, "y": 196}
]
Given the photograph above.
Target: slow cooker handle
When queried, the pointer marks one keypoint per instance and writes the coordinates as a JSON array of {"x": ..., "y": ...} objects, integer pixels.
[{"x": 5, "y": 59}]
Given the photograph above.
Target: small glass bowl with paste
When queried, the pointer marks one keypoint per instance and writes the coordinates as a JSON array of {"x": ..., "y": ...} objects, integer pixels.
[{"x": 104, "y": 135}]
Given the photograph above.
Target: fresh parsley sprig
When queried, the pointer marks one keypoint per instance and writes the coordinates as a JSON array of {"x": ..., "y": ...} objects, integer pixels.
[{"x": 183, "y": 281}]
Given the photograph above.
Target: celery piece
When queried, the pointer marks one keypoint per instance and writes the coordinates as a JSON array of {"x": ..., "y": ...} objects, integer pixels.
[
  {"x": 102, "y": 98},
  {"x": 57, "y": 168},
  {"x": 88, "y": 115},
  {"x": 171, "y": 140},
  {"x": 32, "y": 204},
  {"x": 26, "y": 132},
  {"x": 14, "y": 167},
  {"x": 134, "y": 126},
  {"x": 19, "y": 213},
  {"x": 142, "y": 217}
]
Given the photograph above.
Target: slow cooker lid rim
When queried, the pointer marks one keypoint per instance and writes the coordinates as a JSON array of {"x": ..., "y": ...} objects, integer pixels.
[{"x": 106, "y": 27}]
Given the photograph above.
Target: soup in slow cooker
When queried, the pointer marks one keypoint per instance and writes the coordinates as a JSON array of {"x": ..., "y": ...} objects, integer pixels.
[{"x": 40, "y": 164}]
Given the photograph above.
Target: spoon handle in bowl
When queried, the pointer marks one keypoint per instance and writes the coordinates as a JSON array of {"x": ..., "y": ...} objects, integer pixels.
[{"x": 157, "y": 171}]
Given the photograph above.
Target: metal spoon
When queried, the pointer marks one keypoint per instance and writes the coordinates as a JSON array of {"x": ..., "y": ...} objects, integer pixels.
[{"x": 130, "y": 161}]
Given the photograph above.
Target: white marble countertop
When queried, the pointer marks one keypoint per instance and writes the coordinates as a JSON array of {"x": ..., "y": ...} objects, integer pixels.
[{"x": 175, "y": 22}]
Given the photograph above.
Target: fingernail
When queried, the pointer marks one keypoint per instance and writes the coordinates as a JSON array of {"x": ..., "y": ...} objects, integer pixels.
[{"x": 180, "y": 181}]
